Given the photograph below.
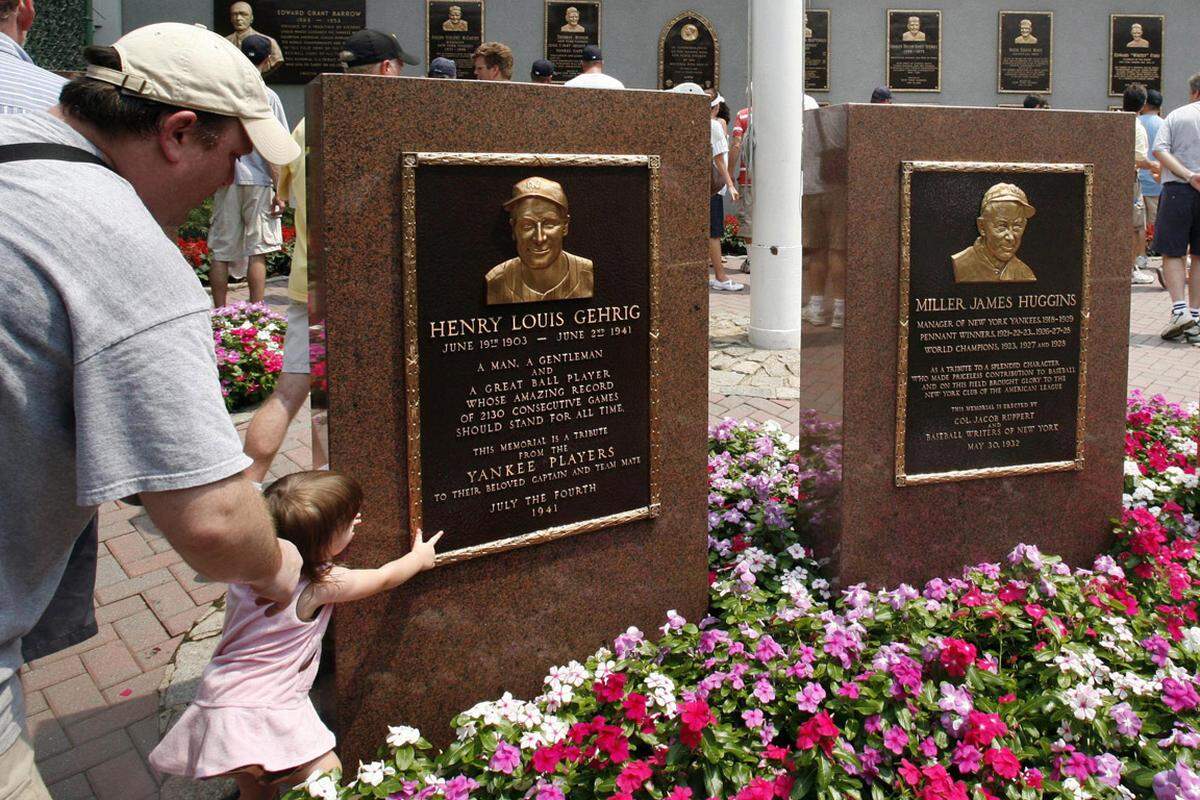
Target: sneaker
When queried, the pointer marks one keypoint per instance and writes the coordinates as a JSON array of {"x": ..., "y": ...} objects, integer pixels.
[
  {"x": 1139, "y": 263},
  {"x": 839, "y": 318},
  {"x": 728, "y": 285},
  {"x": 1178, "y": 324},
  {"x": 713, "y": 283},
  {"x": 1142, "y": 277}
]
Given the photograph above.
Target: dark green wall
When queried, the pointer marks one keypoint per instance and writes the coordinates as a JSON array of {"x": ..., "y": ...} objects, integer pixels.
[{"x": 61, "y": 30}]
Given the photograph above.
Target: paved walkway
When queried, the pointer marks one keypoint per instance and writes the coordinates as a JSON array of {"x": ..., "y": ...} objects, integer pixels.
[{"x": 93, "y": 708}]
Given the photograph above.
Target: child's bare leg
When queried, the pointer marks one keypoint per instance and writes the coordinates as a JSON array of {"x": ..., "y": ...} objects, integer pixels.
[
  {"x": 321, "y": 764},
  {"x": 251, "y": 788}
]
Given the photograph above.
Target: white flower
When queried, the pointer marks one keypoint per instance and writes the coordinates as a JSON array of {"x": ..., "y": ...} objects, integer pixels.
[
  {"x": 466, "y": 731},
  {"x": 373, "y": 774},
  {"x": 402, "y": 735},
  {"x": 1132, "y": 470},
  {"x": 529, "y": 716},
  {"x": 1084, "y": 699},
  {"x": 573, "y": 674},
  {"x": 319, "y": 786},
  {"x": 1190, "y": 643},
  {"x": 604, "y": 667}
]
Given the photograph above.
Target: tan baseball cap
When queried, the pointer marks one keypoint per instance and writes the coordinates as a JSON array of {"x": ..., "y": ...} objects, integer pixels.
[
  {"x": 1006, "y": 193},
  {"x": 192, "y": 67},
  {"x": 538, "y": 187}
]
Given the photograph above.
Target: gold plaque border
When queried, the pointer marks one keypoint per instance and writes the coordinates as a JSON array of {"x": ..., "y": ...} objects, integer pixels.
[
  {"x": 1162, "y": 52},
  {"x": 887, "y": 52},
  {"x": 907, "y": 170},
  {"x": 1000, "y": 52},
  {"x": 546, "y": 25},
  {"x": 412, "y": 368},
  {"x": 828, "y": 48},
  {"x": 482, "y": 23},
  {"x": 712, "y": 31}
]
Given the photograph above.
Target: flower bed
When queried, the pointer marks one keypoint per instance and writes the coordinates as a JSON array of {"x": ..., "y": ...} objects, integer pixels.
[
  {"x": 248, "y": 338},
  {"x": 1019, "y": 680},
  {"x": 732, "y": 242},
  {"x": 192, "y": 241}
]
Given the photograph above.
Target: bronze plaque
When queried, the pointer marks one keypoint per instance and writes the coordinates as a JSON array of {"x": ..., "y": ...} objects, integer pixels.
[
  {"x": 570, "y": 27},
  {"x": 307, "y": 34},
  {"x": 531, "y": 342},
  {"x": 1025, "y": 52},
  {"x": 1135, "y": 51},
  {"x": 453, "y": 30},
  {"x": 816, "y": 50},
  {"x": 914, "y": 51},
  {"x": 688, "y": 52},
  {"x": 994, "y": 295}
]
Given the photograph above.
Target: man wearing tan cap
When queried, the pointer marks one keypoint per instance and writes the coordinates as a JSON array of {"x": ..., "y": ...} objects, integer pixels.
[
  {"x": 542, "y": 270},
  {"x": 108, "y": 381},
  {"x": 1003, "y": 215}
]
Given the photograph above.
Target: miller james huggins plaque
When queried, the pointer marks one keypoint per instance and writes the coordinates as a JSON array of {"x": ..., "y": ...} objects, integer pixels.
[
  {"x": 816, "y": 50},
  {"x": 1135, "y": 51},
  {"x": 914, "y": 51},
  {"x": 1025, "y": 52},
  {"x": 453, "y": 30},
  {"x": 994, "y": 281},
  {"x": 307, "y": 35},
  {"x": 532, "y": 369},
  {"x": 688, "y": 52}
]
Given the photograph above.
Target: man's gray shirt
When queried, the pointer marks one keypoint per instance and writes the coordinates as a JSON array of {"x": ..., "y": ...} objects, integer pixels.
[
  {"x": 1179, "y": 135},
  {"x": 108, "y": 381}
]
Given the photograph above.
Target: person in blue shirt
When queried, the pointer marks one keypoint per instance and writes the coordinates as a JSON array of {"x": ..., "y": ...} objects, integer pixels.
[
  {"x": 24, "y": 86},
  {"x": 1151, "y": 119}
]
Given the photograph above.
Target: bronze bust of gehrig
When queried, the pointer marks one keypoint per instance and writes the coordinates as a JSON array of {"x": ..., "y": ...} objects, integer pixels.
[
  {"x": 542, "y": 270},
  {"x": 1003, "y": 215}
]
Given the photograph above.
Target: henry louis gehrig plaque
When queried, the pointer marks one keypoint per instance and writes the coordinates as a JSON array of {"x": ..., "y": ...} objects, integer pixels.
[
  {"x": 914, "y": 51},
  {"x": 453, "y": 30},
  {"x": 532, "y": 368},
  {"x": 570, "y": 26},
  {"x": 1025, "y": 52},
  {"x": 1135, "y": 51},
  {"x": 994, "y": 292}
]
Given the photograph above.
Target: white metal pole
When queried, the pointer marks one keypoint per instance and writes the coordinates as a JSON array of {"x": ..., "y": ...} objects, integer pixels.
[{"x": 777, "y": 78}]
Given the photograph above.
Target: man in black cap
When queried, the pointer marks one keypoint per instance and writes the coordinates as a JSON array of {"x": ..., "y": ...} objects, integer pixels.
[
  {"x": 442, "y": 68},
  {"x": 542, "y": 71},
  {"x": 882, "y": 94},
  {"x": 591, "y": 75},
  {"x": 372, "y": 52}
]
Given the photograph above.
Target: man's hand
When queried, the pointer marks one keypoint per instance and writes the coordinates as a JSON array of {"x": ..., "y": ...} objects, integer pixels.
[
  {"x": 734, "y": 194},
  {"x": 280, "y": 587},
  {"x": 1194, "y": 180},
  {"x": 277, "y": 206}
]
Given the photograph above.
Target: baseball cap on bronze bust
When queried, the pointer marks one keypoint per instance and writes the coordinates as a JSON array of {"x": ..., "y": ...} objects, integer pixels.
[
  {"x": 370, "y": 46},
  {"x": 538, "y": 187},
  {"x": 191, "y": 67},
  {"x": 1007, "y": 193}
]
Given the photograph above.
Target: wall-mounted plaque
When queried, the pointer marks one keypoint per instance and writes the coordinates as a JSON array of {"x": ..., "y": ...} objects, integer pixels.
[
  {"x": 532, "y": 398},
  {"x": 995, "y": 264},
  {"x": 570, "y": 27},
  {"x": 914, "y": 51},
  {"x": 1135, "y": 51},
  {"x": 816, "y": 50},
  {"x": 307, "y": 35},
  {"x": 688, "y": 52},
  {"x": 453, "y": 30},
  {"x": 1025, "y": 52}
]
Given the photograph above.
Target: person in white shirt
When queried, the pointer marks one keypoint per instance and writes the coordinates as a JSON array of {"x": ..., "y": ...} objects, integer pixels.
[{"x": 592, "y": 75}]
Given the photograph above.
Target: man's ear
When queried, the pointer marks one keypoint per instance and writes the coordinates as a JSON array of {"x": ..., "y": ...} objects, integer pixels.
[
  {"x": 25, "y": 15},
  {"x": 979, "y": 224},
  {"x": 174, "y": 133}
]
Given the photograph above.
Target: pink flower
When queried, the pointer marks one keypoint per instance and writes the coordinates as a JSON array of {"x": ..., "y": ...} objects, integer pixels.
[
  {"x": 929, "y": 747},
  {"x": 763, "y": 690},
  {"x": 1179, "y": 696},
  {"x": 1003, "y": 763},
  {"x": 548, "y": 791},
  {"x": 680, "y": 793},
  {"x": 632, "y": 776},
  {"x": 956, "y": 656},
  {"x": 753, "y": 718},
  {"x": 983, "y": 728},
  {"x": 506, "y": 759},
  {"x": 966, "y": 758},
  {"x": 895, "y": 739}
]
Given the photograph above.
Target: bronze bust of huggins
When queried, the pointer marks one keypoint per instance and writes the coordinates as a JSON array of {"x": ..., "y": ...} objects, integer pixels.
[
  {"x": 542, "y": 270},
  {"x": 1003, "y": 216}
]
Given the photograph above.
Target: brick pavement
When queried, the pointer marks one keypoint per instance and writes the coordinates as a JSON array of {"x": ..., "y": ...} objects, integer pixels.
[{"x": 93, "y": 708}]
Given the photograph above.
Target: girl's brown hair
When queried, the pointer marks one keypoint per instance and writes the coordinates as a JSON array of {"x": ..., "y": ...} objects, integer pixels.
[{"x": 309, "y": 509}]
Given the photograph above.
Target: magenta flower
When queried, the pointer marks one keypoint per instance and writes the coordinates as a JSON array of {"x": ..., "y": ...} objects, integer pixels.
[
  {"x": 809, "y": 697},
  {"x": 1127, "y": 721},
  {"x": 753, "y": 718},
  {"x": 1179, "y": 696},
  {"x": 506, "y": 759},
  {"x": 895, "y": 739},
  {"x": 966, "y": 758},
  {"x": 763, "y": 690}
]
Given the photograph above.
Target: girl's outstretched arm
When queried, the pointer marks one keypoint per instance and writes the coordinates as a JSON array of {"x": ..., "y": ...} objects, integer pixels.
[{"x": 343, "y": 585}]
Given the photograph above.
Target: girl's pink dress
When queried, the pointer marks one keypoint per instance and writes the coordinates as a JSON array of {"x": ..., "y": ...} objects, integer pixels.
[{"x": 252, "y": 706}]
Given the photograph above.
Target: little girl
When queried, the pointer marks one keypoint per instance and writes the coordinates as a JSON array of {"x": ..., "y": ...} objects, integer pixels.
[{"x": 252, "y": 719}]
